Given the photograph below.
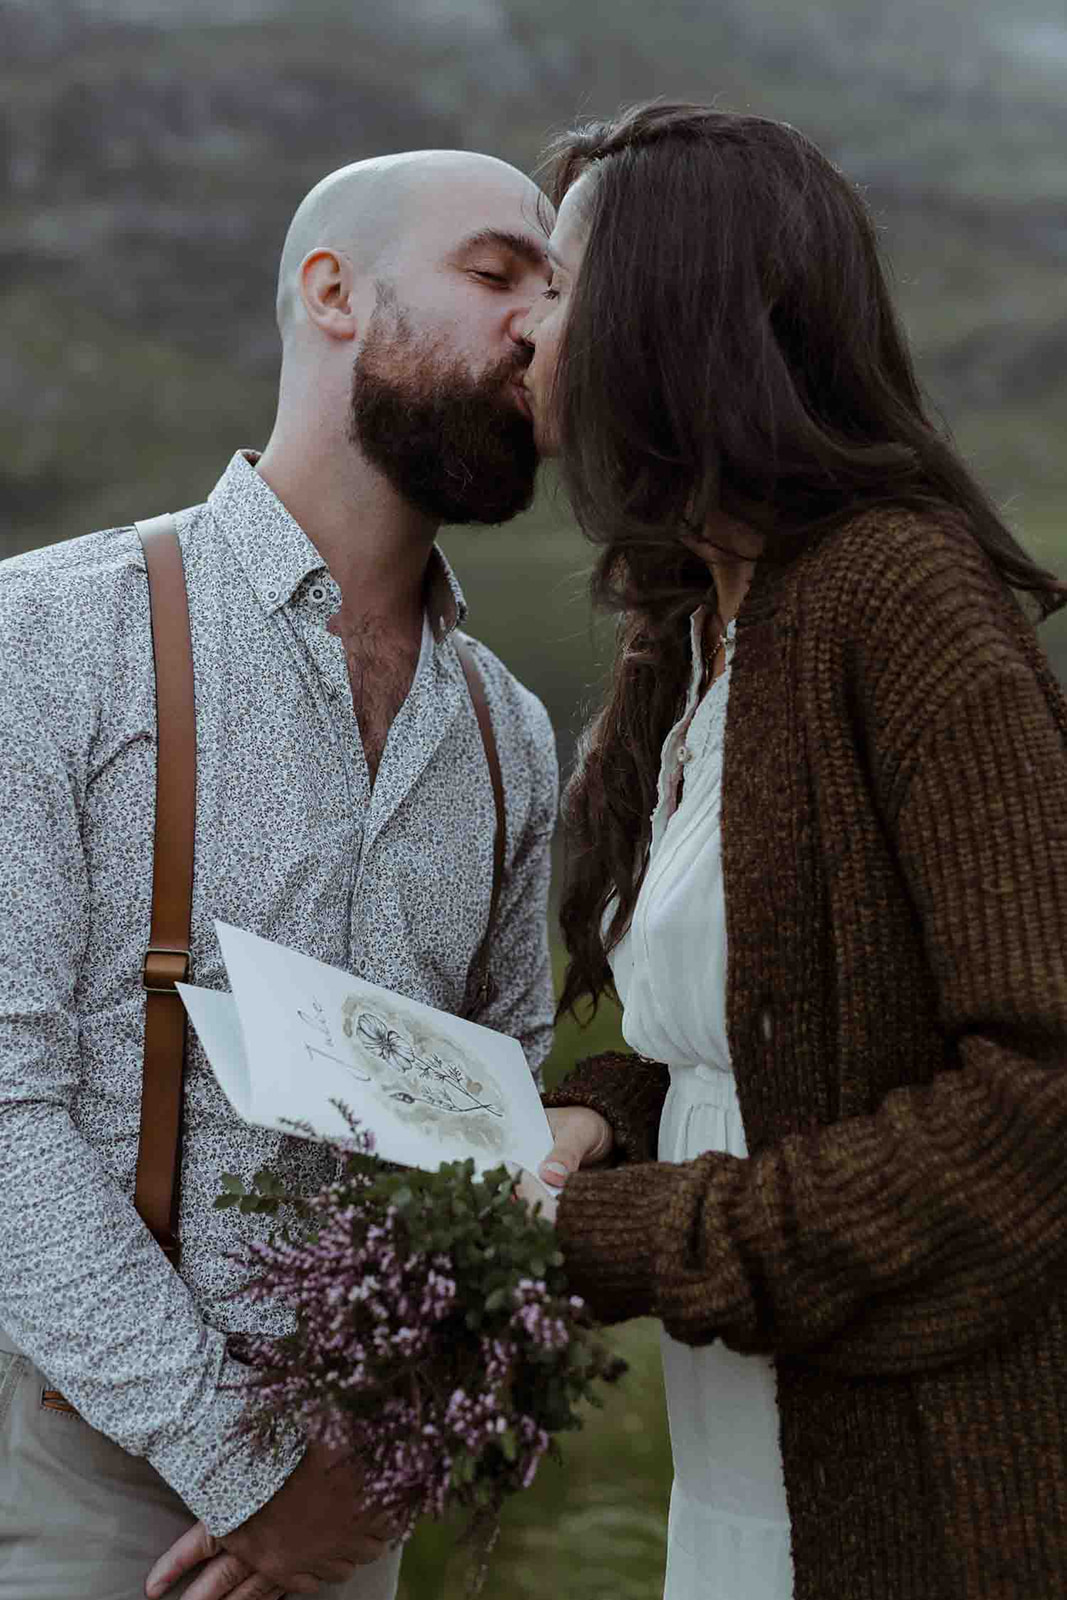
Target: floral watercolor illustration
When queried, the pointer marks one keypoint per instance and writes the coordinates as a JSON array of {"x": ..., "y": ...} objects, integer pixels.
[{"x": 427, "y": 1079}]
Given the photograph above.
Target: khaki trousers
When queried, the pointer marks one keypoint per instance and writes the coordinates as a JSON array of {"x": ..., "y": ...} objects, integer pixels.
[{"x": 80, "y": 1519}]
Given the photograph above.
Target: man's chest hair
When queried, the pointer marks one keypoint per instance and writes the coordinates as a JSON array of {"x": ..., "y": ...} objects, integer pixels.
[{"x": 381, "y": 667}]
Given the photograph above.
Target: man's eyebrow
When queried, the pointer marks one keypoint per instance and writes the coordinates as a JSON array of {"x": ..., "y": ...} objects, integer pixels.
[{"x": 524, "y": 245}]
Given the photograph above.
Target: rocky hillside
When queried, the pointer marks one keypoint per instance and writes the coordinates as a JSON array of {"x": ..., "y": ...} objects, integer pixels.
[{"x": 152, "y": 151}]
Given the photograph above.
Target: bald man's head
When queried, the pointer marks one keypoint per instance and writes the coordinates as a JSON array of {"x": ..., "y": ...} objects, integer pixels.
[
  {"x": 373, "y": 212},
  {"x": 405, "y": 287}
]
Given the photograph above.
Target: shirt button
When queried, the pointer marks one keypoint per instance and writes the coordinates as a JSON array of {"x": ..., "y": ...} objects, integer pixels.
[
  {"x": 272, "y": 595},
  {"x": 317, "y": 593},
  {"x": 685, "y": 755}
]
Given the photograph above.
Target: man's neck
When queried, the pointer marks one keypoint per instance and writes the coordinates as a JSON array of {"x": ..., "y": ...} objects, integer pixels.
[{"x": 375, "y": 544}]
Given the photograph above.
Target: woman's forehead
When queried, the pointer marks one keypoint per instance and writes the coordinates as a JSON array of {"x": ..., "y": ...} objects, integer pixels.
[{"x": 572, "y": 224}]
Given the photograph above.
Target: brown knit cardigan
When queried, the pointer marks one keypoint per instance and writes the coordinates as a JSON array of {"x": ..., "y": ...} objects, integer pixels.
[{"x": 894, "y": 825}]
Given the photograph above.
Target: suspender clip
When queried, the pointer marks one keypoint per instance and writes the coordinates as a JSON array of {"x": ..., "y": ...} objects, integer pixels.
[{"x": 163, "y": 968}]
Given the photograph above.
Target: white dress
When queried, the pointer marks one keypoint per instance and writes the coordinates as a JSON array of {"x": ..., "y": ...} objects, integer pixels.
[{"x": 728, "y": 1534}]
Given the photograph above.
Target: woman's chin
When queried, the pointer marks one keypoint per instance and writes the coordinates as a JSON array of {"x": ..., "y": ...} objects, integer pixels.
[{"x": 545, "y": 439}]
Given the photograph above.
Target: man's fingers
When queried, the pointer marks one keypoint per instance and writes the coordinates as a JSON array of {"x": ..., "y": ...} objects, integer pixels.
[
  {"x": 337, "y": 1571},
  {"x": 367, "y": 1550},
  {"x": 257, "y": 1587},
  {"x": 380, "y": 1527},
  {"x": 193, "y": 1547},
  {"x": 227, "y": 1577}
]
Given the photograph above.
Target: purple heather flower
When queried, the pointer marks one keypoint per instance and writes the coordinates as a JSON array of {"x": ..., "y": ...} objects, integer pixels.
[{"x": 384, "y": 1364}]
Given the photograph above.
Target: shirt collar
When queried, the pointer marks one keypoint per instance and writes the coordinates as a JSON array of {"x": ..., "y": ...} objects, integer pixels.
[
  {"x": 697, "y": 620},
  {"x": 696, "y": 655},
  {"x": 445, "y": 606},
  {"x": 278, "y": 556}
]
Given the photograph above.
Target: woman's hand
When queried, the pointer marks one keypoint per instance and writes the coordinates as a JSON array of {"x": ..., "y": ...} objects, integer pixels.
[
  {"x": 582, "y": 1138},
  {"x": 536, "y": 1196}
]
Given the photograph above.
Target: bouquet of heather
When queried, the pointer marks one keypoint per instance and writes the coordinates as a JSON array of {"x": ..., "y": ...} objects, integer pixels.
[{"x": 435, "y": 1341}]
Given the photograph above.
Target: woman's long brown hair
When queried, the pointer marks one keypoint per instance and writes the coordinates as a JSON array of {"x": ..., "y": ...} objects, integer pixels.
[{"x": 731, "y": 346}]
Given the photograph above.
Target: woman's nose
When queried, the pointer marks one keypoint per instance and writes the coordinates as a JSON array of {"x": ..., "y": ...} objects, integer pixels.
[
  {"x": 529, "y": 323},
  {"x": 522, "y": 329}
]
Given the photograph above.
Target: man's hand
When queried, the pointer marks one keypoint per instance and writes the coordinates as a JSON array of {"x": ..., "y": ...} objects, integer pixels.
[
  {"x": 314, "y": 1530},
  {"x": 583, "y": 1137},
  {"x": 224, "y": 1576}
]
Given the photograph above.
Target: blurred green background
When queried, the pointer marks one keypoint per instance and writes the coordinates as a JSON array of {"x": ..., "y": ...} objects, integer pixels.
[{"x": 151, "y": 154}]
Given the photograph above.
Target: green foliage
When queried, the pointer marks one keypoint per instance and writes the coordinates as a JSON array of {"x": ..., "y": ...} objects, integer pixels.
[
  {"x": 267, "y": 1193},
  {"x": 593, "y": 1524},
  {"x": 150, "y": 158},
  {"x": 435, "y": 1335}
]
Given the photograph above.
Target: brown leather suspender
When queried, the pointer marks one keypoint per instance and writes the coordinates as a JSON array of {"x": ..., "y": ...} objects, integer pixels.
[
  {"x": 167, "y": 957},
  {"x": 481, "y": 986}
]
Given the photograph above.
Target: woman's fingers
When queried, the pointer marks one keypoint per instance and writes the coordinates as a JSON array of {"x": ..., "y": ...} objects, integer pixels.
[
  {"x": 533, "y": 1192},
  {"x": 582, "y": 1137}
]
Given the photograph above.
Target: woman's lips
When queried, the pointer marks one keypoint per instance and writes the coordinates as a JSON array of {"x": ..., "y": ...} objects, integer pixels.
[{"x": 523, "y": 399}]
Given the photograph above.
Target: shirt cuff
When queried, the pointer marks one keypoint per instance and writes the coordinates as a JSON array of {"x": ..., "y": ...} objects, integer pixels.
[{"x": 223, "y": 1478}]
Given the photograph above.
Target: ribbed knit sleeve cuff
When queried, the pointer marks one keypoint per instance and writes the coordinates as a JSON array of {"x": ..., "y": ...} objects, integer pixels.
[
  {"x": 628, "y": 1091},
  {"x": 608, "y": 1226}
]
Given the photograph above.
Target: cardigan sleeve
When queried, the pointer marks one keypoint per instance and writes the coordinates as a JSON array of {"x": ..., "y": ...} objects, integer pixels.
[
  {"x": 628, "y": 1091},
  {"x": 937, "y": 1225}
]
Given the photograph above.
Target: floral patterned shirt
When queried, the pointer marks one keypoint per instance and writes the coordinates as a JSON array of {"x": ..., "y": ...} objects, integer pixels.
[{"x": 292, "y": 842}]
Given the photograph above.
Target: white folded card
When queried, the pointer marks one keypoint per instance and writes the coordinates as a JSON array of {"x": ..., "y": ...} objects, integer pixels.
[{"x": 296, "y": 1035}]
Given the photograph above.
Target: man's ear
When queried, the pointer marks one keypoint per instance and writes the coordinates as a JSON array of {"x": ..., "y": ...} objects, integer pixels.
[{"x": 326, "y": 291}]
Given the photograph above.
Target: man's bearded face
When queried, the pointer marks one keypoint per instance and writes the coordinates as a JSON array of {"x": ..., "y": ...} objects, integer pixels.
[{"x": 456, "y": 446}]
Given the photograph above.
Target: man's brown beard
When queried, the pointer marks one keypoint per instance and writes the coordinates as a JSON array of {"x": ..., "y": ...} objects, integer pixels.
[{"x": 456, "y": 447}]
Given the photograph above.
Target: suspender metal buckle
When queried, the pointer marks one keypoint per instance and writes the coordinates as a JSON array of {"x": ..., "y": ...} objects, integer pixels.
[{"x": 163, "y": 968}]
